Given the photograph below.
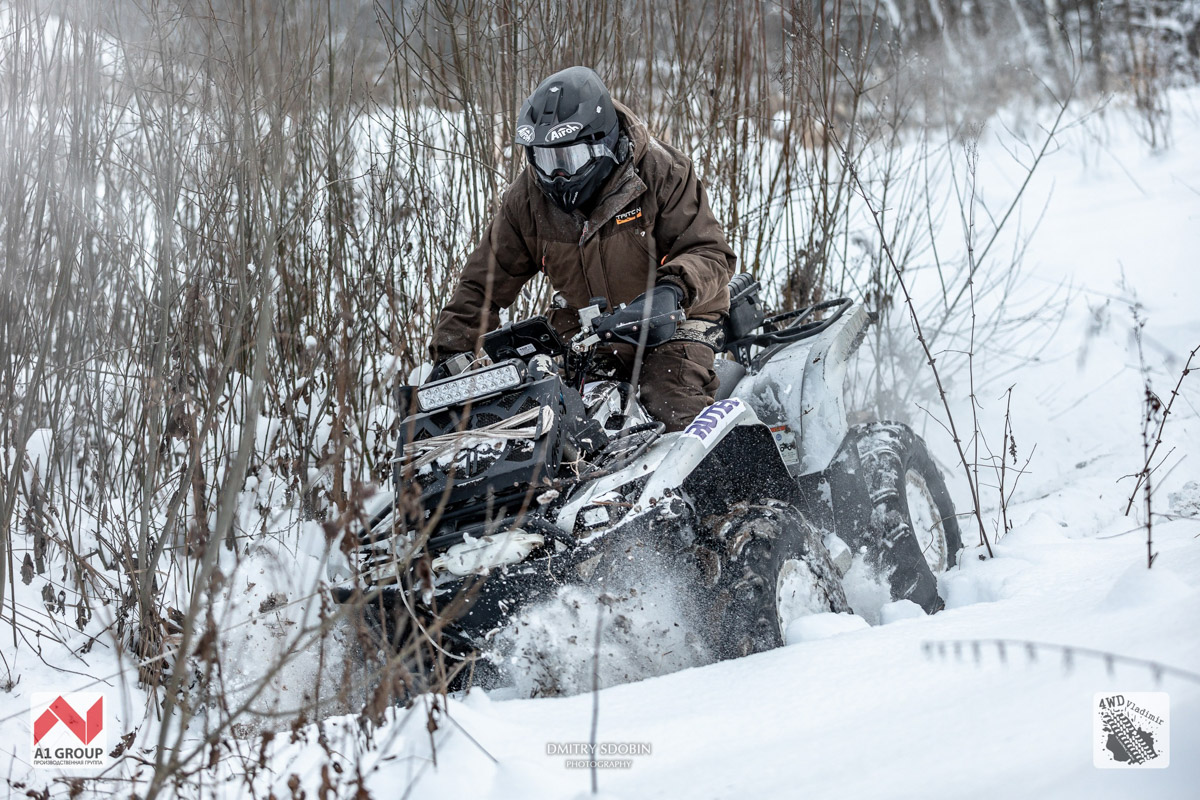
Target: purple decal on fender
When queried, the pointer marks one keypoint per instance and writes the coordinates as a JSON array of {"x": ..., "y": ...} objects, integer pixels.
[{"x": 710, "y": 419}]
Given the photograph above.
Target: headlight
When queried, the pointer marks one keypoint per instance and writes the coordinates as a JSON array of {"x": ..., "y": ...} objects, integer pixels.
[{"x": 472, "y": 386}]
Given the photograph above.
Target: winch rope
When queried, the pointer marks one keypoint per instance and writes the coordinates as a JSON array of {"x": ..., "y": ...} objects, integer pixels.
[{"x": 507, "y": 429}]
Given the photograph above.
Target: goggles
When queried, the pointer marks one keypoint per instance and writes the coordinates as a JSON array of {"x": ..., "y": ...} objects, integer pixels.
[{"x": 569, "y": 159}]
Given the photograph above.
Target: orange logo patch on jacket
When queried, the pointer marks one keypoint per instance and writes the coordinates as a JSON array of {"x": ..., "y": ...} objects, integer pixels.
[{"x": 629, "y": 216}]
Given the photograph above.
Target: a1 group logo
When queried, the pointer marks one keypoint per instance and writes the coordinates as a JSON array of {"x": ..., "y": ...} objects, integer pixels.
[{"x": 68, "y": 730}]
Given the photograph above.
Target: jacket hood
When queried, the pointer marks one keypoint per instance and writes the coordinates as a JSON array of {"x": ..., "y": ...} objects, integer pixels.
[{"x": 635, "y": 129}]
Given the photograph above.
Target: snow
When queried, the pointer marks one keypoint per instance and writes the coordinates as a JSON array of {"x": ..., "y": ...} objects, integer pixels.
[
  {"x": 38, "y": 452},
  {"x": 1139, "y": 586},
  {"x": 1186, "y": 502},
  {"x": 648, "y": 627},
  {"x": 885, "y": 702},
  {"x": 856, "y": 710},
  {"x": 870, "y": 711},
  {"x": 866, "y": 591},
  {"x": 867, "y": 711},
  {"x": 823, "y": 626},
  {"x": 900, "y": 610}
]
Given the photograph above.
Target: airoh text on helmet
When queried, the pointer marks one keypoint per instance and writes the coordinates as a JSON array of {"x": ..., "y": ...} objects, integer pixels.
[{"x": 569, "y": 130}]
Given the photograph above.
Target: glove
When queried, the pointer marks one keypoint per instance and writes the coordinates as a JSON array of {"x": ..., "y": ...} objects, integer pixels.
[
  {"x": 669, "y": 289},
  {"x": 675, "y": 285},
  {"x": 660, "y": 309}
]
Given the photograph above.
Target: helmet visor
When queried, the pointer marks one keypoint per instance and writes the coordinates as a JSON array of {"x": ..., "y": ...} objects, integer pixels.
[{"x": 569, "y": 159}]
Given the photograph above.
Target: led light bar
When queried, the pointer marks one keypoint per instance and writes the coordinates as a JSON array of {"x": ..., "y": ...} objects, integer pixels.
[{"x": 472, "y": 386}]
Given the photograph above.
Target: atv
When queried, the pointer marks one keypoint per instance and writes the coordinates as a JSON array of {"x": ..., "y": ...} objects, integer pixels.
[{"x": 526, "y": 473}]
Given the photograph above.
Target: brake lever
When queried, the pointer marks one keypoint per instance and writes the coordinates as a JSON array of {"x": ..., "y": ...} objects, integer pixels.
[
  {"x": 584, "y": 341},
  {"x": 588, "y": 317}
]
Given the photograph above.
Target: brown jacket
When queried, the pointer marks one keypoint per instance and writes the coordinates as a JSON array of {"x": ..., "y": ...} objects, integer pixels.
[{"x": 652, "y": 221}]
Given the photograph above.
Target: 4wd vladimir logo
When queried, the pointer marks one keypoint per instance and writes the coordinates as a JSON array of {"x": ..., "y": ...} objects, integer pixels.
[
  {"x": 67, "y": 730},
  {"x": 563, "y": 130},
  {"x": 1131, "y": 730}
]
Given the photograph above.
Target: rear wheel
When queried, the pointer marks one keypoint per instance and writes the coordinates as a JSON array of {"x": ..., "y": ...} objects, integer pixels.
[
  {"x": 913, "y": 533},
  {"x": 925, "y": 518},
  {"x": 774, "y": 569}
]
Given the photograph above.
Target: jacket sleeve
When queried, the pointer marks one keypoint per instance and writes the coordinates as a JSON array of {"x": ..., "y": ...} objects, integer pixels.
[
  {"x": 697, "y": 259},
  {"x": 492, "y": 278}
]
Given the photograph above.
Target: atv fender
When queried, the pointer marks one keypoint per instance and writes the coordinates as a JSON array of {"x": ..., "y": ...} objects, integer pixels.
[
  {"x": 725, "y": 444},
  {"x": 694, "y": 444},
  {"x": 798, "y": 389}
]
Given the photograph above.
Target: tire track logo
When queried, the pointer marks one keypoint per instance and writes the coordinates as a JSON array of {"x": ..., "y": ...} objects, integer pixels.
[
  {"x": 68, "y": 730},
  {"x": 1131, "y": 730}
]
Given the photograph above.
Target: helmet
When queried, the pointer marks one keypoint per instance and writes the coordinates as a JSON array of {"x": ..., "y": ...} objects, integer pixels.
[{"x": 569, "y": 130}]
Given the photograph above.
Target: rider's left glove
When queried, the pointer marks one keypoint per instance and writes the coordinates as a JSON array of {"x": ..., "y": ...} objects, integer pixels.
[{"x": 657, "y": 311}]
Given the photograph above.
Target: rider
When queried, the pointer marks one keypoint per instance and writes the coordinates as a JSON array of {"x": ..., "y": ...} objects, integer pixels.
[{"x": 605, "y": 210}]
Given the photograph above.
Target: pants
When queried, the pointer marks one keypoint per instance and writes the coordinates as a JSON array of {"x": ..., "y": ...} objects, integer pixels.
[{"x": 676, "y": 383}]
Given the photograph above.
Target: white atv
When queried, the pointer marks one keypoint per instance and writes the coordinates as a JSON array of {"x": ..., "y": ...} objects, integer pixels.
[{"x": 515, "y": 478}]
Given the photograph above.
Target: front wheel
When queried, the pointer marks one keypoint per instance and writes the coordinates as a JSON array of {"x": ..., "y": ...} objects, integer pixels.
[
  {"x": 774, "y": 569},
  {"x": 913, "y": 533}
]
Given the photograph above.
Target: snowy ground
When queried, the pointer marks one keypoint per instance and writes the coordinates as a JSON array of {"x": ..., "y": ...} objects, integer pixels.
[{"x": 870, "y": 711}]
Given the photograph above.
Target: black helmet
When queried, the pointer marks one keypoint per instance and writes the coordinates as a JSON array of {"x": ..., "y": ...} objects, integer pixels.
[{"x": 569, "y": 130}]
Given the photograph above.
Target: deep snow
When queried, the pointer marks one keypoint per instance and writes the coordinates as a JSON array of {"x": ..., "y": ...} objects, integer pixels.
[
  {"x": 856, "y": 710},
  {"x": 849, "y": 710}
]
